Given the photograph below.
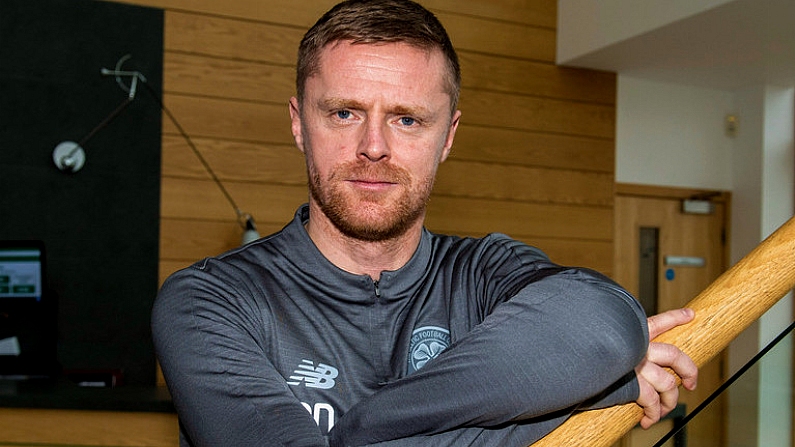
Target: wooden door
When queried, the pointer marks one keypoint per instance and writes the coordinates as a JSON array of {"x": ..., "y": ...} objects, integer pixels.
[{"x": 665, "y": 257}]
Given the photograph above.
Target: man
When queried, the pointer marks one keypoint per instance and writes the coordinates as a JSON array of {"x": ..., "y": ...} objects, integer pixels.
[{"x": 356, "y": 326}]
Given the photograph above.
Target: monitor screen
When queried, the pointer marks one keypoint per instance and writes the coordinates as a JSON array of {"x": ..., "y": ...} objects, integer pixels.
[
  {"x": 21, "y": 272},
  {"x": 28, "y": 325}
]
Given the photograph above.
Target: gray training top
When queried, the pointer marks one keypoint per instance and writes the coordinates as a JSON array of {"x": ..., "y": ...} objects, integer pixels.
[{"x": 474, "y": 342}]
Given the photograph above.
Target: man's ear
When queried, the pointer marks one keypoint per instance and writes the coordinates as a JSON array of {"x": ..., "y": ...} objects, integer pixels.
[
  {"x": 448, "y": 144},
  {"x": 295, "y": 123}
]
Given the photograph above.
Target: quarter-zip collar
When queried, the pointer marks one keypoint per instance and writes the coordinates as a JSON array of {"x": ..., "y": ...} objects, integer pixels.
[{"x": 392, "y": 285}]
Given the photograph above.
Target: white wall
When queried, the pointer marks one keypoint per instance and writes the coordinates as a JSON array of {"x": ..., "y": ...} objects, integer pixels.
[
  {"x": 672, "y": 135},
  {"x": 587, "y": 25}
]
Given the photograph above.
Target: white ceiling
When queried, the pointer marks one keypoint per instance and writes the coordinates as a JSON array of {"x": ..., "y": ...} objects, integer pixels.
[{"x": 738, "y": 44}]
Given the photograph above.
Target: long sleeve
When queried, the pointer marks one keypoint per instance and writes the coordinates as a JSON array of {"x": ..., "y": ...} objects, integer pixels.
[
  {"x": 557, "y": 343},
  {"x": 271, "y": 344},
  {"x": 225, "y": 389}
]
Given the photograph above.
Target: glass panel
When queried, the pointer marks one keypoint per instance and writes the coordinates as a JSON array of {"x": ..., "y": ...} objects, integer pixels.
[
  {"x": 648, "y": 269},
  {"x": 742, "y": 392}
]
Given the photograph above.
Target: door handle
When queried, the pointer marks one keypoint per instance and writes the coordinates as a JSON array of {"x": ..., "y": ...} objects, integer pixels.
[{"x": 685, "y": 261}]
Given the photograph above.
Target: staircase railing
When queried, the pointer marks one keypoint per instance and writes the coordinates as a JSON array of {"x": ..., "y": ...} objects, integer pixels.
[{"x": 723, "y": 310}]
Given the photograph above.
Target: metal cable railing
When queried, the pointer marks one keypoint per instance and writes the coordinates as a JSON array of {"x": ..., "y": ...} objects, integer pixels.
[{"x": 682, "y": 423}]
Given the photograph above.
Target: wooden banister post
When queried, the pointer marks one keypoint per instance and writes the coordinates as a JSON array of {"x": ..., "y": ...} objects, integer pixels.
[{"x": 723, "y": 310}]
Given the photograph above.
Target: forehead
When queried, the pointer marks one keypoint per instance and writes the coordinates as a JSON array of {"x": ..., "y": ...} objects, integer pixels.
[{"x": 397, "y": 68}]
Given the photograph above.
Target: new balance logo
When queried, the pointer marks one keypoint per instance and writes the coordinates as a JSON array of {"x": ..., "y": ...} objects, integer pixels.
[{"x": 321, "y": 376}]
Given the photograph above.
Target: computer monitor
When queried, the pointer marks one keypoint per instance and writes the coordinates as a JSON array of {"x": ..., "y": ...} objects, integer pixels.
[
  {"x": 21, "y": 271},
  {"x": 28, "y": 312}
]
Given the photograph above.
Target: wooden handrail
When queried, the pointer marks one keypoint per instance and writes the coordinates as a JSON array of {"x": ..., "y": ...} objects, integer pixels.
[{"x": 728, "y": 306}]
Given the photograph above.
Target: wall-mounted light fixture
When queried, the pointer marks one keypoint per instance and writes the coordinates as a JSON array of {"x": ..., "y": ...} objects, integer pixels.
[{"x": 69, "y": 156}]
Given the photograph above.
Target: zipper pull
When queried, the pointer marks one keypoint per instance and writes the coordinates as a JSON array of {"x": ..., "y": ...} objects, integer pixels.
[{"x": 377, "y": 290}]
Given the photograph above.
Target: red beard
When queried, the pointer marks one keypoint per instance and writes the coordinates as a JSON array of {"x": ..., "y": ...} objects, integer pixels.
[{"x": 370, "y": 215}]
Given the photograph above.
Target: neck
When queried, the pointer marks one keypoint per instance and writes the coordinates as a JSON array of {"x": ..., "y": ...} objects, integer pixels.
[{"x": 358, "y": 256}]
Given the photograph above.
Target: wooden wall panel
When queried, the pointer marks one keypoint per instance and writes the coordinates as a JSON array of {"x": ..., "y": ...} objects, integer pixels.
[
  {"x": 567, "y": 152},
  {"x": 234, "y": 160},
  {"x": 193, "y": 74},
  {"x": 534, "y": 13},
  {"x": 228, "y": 119},
  {"x": 231, "y": 38},
  {"x": 534, "y": 155},
  {"x": 258, "y": 41},
  {"x": 500, "y": 38},
  {"x": 468, "y": 216},
  {"x": 197, "y": 199},
  {"x": 61, "y": 428},
  {"x": 524, "y": 184},
  {"x": 517, "y": 76},
  {"x": 538, "y": 114},
  {"x": 202, "y": 238},
  {"x": 595, "y": 254}
]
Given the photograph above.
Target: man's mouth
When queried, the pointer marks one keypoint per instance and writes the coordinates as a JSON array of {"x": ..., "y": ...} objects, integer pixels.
[{"x": 372, "y": 184}]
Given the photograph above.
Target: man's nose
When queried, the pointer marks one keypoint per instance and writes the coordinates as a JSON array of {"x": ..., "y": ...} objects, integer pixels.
[{"x": 374, "y": 144}]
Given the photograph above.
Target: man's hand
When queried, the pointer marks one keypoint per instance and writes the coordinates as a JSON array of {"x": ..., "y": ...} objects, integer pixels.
[{"x": 658, "y": 390}]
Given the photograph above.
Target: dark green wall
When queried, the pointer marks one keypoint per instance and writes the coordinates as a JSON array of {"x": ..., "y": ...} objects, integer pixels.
[{"x": 100, "y": 224}]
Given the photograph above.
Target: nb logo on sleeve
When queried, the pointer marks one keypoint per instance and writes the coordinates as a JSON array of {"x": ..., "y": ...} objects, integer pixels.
[{"x": 321, "y": 376}]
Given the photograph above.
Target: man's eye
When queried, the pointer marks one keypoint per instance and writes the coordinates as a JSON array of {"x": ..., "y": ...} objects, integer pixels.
[
  {"x": 343, "y": 114},
  {"x": 407, "y": 121}
]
